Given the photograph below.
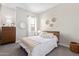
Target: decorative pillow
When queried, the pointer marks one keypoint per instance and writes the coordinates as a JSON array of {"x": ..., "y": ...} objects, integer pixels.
[
  {"x": 51, "y": 34},
  {"x": 46, "y": 35}
]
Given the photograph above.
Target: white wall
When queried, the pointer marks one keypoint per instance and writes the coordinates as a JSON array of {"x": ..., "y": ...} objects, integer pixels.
[
  {"x": 0, "y": 15},
  {"x": 5, "y": 11},
  {"x": 21, "y": 16},
  {"x": 67, "y": 22}
]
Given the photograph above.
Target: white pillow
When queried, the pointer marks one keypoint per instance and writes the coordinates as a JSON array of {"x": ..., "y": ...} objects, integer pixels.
[{"x": 46, "y": 35}]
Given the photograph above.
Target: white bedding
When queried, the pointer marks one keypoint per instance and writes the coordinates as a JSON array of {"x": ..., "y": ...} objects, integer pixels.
[{"x": 38, "y": 46}]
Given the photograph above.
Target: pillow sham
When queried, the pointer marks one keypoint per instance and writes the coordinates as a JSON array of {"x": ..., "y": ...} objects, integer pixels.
[{"x": 46, "y": 35}]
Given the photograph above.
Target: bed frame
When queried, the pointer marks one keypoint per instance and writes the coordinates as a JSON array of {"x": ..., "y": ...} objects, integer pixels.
[
  {"x": 57, "y": 33},
  {"x": 54, "y": 32}
]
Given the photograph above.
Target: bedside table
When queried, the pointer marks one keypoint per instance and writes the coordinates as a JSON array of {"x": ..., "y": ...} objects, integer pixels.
[{"x": 74, "y": 47}]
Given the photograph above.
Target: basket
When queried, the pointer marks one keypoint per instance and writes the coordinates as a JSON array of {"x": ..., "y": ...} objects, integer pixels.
[{"x": 74, "y": 47}]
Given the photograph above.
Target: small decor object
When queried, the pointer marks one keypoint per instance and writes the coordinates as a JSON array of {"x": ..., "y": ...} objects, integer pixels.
[
  {"x": 3, "y": 24},
  {"x": 51, "y": 25},
  {"x": 12, "y": 24},
  {"x": 53, "y": 19},
  {"x": 51, "y": 22},
  {"x": 47, "y": 22}
]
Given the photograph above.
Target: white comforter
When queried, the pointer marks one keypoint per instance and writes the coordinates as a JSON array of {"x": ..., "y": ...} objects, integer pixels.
[{"x": 38, "y": 46}]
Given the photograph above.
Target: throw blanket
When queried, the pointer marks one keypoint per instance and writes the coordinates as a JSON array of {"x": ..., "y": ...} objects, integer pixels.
[{"x": 30, "y": 43}]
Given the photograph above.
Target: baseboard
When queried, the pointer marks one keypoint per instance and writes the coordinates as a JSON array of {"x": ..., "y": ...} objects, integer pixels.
[{"x": 63, "y": 45}]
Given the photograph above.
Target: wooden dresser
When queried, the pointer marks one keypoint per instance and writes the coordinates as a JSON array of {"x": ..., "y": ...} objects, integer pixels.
[{"x": 8, "y": 35}]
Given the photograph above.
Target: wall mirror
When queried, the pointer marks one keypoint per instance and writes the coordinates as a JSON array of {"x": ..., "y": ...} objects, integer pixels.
[{"x": 22, "y": 25}]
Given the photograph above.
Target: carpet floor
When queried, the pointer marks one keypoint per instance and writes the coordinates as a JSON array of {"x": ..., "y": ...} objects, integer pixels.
[{"x": 15, "y": 50}]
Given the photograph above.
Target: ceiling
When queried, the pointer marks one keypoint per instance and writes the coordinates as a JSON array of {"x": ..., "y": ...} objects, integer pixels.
[{"x": 32, "y": 7}]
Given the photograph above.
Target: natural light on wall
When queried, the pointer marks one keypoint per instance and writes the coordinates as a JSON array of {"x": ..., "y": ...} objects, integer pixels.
[
  {"x": 32, "y": 25},
  {"x": 32, "y": 19},
  {"x": 8, "y": 21}
]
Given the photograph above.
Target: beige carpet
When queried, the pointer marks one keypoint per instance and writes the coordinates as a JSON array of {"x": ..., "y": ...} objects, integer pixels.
[{"x": 15, "y": 50}]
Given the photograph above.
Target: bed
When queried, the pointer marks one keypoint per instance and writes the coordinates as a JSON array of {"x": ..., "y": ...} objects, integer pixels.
[{"x": 40, "y": 45}]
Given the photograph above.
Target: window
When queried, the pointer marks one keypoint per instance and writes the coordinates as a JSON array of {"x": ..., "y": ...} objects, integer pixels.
[
  {"x": 8, "y": 21},
  {"x": 32, "y": 25}
]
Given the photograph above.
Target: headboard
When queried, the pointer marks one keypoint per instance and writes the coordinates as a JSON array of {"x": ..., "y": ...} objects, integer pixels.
[{"x": 57, "y": 33}]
